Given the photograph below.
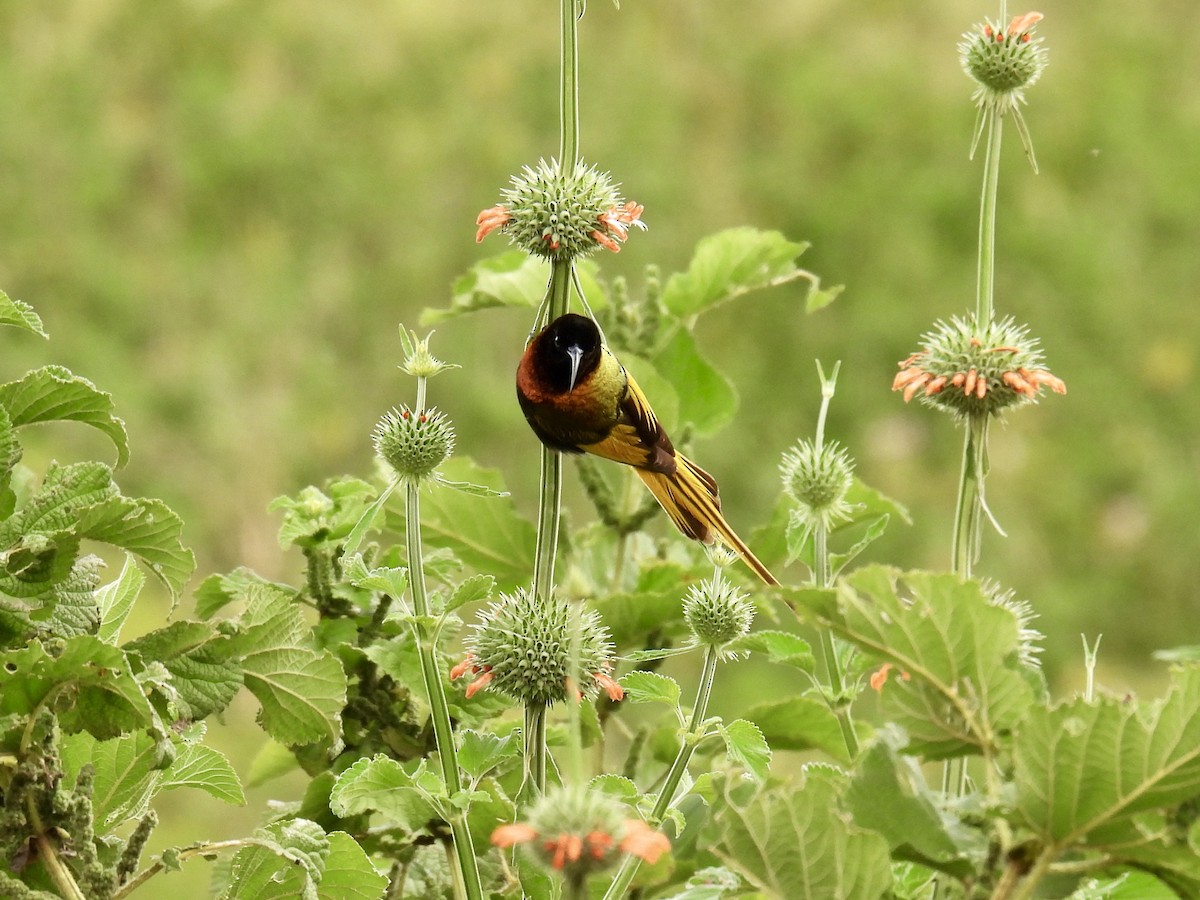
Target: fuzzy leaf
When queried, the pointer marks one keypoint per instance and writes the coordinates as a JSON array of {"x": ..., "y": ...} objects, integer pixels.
[
  {"x": 745, "y": 744},
  {"x": 147, "y": 528},
  {"x": 731, "y": 263},
  {"x": 511, "y": 279},
  {"x": 203, "y": 680},
  {"x": 53, "y": 394},
  {"x": 1081, "y": 766},
  {"x": 203, "y": 767},
  {"x": 780, "y": 647},
  {"x": 480, "y": 751},
  {"x": 472, "y": 590},
  {"x": 10, "y": 455},
  {"x": 888, "y": 794},
  {"x": 380, "y": 784},
  {"x": 348, "y": 873},
  {"x": 287, "y": 861},
  {"x": 799, "y": 723},
  {"x": 126, "y": 770},
  {"x": 116, "y": 599},
  {"x": 707, "y": 399},
  {"x": 317, "y": 516},
  {"x": 98, "y": 692},
  {"x": 20, "y": 314},
  {"x": 965, "y": 685},
  {"x": 650, "y": 687},
  {"x": 393, "y": 581},
  {"x": 218, "y": 591},
  {"x": 486, "y": 533},
  {"x": 790, "y": 841}
]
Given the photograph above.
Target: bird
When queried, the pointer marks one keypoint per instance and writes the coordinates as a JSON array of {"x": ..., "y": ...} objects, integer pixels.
[{"x": 578, "y": 398}]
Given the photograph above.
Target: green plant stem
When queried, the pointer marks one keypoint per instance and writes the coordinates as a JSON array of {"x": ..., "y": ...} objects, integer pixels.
[
  {"x": 1025, "y": 888},
  {"x": 833, "y": 668},
  {"x": 986, "y": 280},
  {"x": 55, "y": 867},
  {"x": 534, "y": 782},
  {"x": 210, "y": 849},
  {"x": 439, "y": 709},
  {"x": 969, "y": 513},
  {"x": 630, "y": 864},
  {"x": 568, "y": 81}
]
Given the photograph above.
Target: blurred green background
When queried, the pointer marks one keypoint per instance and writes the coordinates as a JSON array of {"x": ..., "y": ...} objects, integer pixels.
[{"x": 222, "y": 209}]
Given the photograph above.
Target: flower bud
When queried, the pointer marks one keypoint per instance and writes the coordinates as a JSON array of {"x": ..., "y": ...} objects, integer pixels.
[
  {"x": 819, "y": 480},
  {"x": 537, "y": 651},
  {"x": 1003, "y": 62},
  {"x": 413, "y": 444},
  {"x": 717, "y": 612},
  {"x": 561, "y": 215},
  {"x": 969, "y": 370}
]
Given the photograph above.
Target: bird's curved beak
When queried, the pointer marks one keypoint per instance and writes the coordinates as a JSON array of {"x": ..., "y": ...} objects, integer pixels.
[{"x": 576, "y": 354}]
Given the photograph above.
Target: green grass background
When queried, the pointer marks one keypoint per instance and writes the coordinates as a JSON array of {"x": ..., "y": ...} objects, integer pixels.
[{"x": 222, "y": 208}]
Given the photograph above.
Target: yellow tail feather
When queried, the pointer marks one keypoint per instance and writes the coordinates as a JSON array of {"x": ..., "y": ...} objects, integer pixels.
[{"x": 689, "y": 496}]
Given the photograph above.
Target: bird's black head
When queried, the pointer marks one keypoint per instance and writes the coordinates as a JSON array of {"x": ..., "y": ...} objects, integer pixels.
[{"x": 568, "y": 351}]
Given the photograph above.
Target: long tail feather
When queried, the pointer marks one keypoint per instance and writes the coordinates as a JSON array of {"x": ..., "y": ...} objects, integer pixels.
[{"x": 689, "y": 496}]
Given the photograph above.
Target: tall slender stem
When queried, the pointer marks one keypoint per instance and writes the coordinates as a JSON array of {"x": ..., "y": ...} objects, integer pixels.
[
  {"x": 986, "y": 281},
  {"x": 439, "y": 709},
  {"x": 630, "y": 864},
  {"x": 568, "y": 79}
]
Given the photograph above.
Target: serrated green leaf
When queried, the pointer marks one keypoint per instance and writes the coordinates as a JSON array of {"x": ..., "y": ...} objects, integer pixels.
[
  {"x": 728, "y": 264},
  {"x": 72, "y": 601},
  {"x": 371, "y": 518},
  {"x": 965, "y": 687},
  {"x": 745, "y": 745},
  {"x": 790, "y": 841},
  {"x": 10, "y": 455},
  {"x": 20, "y": 314},
  {"x": 317, "y": 516},
  {"x": 655, "y": 607},
  {"x": 202, "y": 678},
  {"x": 349, "y": 874},
  {"x": 146, "y": 528},
  {"x": 707, "y": 399},
  {"x": 53, "y": 394},
  {"x": 481, "y": 751},
  {"x": 799, "y": 723},
  {"x": 1082, "y": 766},
  {"x": 126, "y": 770},
  {"x": 116, "y": 599},
  {"x": 616, "y": 786},
  {"x": 97, "y": 691},
  {"x": 286, "y": 861},
  {"x": 393, "y": 581},
  {"x": 474, "y": 589},
  {"x": 484, "y": 532},
  {"x": 888, "y": 794},
  {"x": 218, "y": 591},
  {"x": 713, "y": 883},
  {"x": 203, "y": 767},
  {"x": 650, "y": 687},
  {"x": 780, "y": 647},
  {"x": 381, "y": 784},
  {"x": 513, "y": 279}
]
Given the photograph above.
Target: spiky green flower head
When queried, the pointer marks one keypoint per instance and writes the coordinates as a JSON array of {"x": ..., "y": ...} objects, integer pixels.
[
  {"x": 413, "y": 444},
  {"x": 1003, "y": 61},
  {"x": 536, "y": 651},
  {"x": 578, "y": 830},
  {"x": 970, "y": 370},
  {"x": 561, "y": 215},
  {"x": 717, "y": 612},
  {"x": 819, "y": 480}
]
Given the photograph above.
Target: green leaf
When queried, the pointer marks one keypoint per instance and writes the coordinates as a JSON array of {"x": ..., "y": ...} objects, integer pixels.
[
  {"x": 474, "y": 589},
  {"x": 393, "y": 581},
  {"x": 790, "y": 840},
  {"x": 513, "y": 279},
  {"x": 1081, "y": 765},
  {"x": 731, "y": 263},
  {"x": 218, "y": 591},
  {"x": 713, "y": 883},
  {"x": 202, "y": 678},
  {"x": 799, "y": 723},
  {"x": 624, "y": 789},
  {"x": 126, "y": 770},
  {"x": 116, "y": 599},
  {"x": 20, "y": 314},
  {"x": 10, "y": 455},
  {"x": 965, "y": 687},
  {"x": 302, "y": 690},
  {"x": 147, "y": 528},
  {"x": 380, "y": 784},
  {"x": 53, "y": 394},
  {"x": 90, "y": 679},
  {"x": 707, "y": 399},
  {"x": 481, "y": 751},
  {"x": 745, "y": 745},
  {"x": 203, "y": 767},
  {"x": 888, "y": 794},
  {"x": 349, "y": 874},
  {"x": 780, "y": 647},
  {"x": 484, "y": 532},
  {"x": 369, "y": 521},
  {"x": 650, "y": 687},
  {"x": 285, "y": 862},
  {"x": 73, "y": 608},
  {"x": 272, "y": 761},
  {"x": 316, "y": 516}
]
